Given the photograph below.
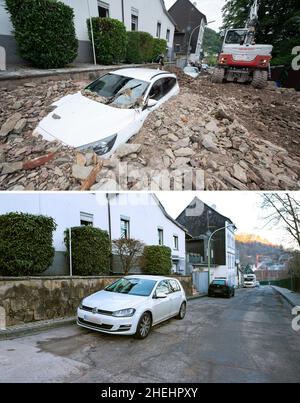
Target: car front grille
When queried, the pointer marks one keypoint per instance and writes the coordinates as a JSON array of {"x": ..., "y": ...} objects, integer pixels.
[
  {"x": 95, "y": 325},
  {"x": 100, "y": 311}
]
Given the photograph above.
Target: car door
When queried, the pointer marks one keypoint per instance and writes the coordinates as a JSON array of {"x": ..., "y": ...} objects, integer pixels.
[
  {"x": 162, "y": 306},
  {"x": 175, "y": 297}
]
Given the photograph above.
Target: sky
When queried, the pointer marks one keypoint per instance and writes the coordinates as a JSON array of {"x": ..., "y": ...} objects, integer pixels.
[
  {"x": 243, "y": 208},
  {"x": 211, "y": 8}
]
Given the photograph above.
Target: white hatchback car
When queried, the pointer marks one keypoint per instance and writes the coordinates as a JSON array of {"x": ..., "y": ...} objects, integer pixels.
[
  {"x": 132, "y": 305},
  {"x": 109, "y": 111}
]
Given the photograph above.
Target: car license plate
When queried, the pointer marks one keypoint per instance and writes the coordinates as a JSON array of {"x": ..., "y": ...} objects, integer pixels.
[{"x": 91, "y": 319}]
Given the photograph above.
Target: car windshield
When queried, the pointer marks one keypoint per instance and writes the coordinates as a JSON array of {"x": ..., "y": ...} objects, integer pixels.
[
  {"x": 132, "y": 286},
  {"x": 118, "y": 91},
  {"x": 219, "y": 282}
]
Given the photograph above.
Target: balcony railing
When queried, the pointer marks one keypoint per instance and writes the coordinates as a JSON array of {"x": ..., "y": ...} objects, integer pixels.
[{"x": 195, "y": 258}]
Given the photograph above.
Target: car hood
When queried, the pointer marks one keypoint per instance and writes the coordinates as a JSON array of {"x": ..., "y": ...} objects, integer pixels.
[
  {"x": 110, "y": 301},
  {"x": 78, "y": 121}
]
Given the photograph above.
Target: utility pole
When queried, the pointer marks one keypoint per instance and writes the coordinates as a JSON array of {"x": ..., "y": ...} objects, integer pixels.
[{"x": 92, "y": 32}]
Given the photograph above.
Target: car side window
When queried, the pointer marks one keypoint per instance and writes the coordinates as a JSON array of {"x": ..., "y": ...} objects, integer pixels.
[
  {"x": 162, "y": 87},
  {"x": 163, "y": 287},
  {"x": 174, "y": 286}
]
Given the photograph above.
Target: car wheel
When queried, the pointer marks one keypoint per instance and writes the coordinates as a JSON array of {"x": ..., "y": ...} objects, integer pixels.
[
  {"x": 144, "y": 326},
  {"x": 233, "y": 293},
  {"x": 182, "y": 311}
]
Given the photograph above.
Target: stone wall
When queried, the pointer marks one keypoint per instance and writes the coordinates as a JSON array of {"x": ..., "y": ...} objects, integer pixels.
[{"x": 40, "y": 298}]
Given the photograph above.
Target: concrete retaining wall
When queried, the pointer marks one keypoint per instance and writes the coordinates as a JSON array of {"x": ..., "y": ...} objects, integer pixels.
[{"x": 32, "y": 299}]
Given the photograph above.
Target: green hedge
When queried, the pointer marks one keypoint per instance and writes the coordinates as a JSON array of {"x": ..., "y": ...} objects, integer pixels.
[
  {"x": 44, "y": 31},
  {"x": 159, "y": 46},
  {"x": 91, "y": 251},
  {"x": 25, "y": 244},
  {"x": 139, "y": 47},
  {"x": 157, "y": 260},
  {"x": 110, "y": 40}
]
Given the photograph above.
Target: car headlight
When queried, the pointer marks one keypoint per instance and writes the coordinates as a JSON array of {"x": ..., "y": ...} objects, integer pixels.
[
  {"x": 124, "y": 313},
  {"x": 101, "y": 147},
  {"x": 81, "y": 305}
]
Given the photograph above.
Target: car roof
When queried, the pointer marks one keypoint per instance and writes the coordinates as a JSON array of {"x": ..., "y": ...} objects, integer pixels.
[
  {"x": 142, "y": 73},
  {"x": 145, "y": 277}
]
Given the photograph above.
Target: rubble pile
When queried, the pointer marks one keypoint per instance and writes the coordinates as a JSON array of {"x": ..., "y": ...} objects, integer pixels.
[
  {"x": 236, "y": 136},
  {"x": 31, "y": 163}
]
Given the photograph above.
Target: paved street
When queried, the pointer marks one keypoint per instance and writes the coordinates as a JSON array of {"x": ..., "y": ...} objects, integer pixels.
[{"x": 246, "y": 339}]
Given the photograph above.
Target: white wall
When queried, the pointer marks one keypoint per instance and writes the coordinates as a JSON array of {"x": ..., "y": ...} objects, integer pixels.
[
  {"x": 145, "y": 219},
  {"x": 228, "y": 270},
  {"x": 144, "y": 214},
  {"x": 150, "y": 12}
]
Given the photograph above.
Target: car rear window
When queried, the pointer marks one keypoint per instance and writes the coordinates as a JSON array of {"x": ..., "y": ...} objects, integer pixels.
[{"x": 219, "y": 282}]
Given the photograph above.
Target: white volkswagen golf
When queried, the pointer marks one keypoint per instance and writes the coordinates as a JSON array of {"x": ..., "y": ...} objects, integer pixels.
[
  {"x": 132, "y": 305},
  {"x": 109, "y": 111}
]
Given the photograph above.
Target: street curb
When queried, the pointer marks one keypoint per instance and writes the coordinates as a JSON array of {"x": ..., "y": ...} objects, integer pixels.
[
  {"x": 285, "y": 297},
  {"x": 35, "y": 327},
  {"x": 196, "y": 297}
]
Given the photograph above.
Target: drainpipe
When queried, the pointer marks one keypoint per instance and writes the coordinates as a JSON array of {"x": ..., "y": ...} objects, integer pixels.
[
  {"x": 123, "y": 13},
  {"x": 109, "y": 229},
  {"x": 92, "y": 32}
]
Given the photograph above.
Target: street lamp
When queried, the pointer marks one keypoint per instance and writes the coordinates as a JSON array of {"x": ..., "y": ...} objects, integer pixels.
[
  {"x": 191, "y": 36},
  {"x": 209, "y": 248}
]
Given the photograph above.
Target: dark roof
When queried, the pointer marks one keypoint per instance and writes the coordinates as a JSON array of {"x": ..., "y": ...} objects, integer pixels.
[
  {"x": 180, "y": 7},
  {"x": 199, "y": 218}
]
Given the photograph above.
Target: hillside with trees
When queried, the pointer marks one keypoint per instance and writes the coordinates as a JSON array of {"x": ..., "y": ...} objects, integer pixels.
[{"x": 250, "y": 246}]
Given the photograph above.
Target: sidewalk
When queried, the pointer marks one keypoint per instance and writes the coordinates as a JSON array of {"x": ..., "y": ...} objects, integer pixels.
[
  {"x": 293, "y": 298},
  {"x": 25, "y": 329}
]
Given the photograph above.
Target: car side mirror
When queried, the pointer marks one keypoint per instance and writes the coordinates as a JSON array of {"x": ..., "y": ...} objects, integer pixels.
[
  {"x": 161, "y": 295},
  {"x": 151, "y": 103}
]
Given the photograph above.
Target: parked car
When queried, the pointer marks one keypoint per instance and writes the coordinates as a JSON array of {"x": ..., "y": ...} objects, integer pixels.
[
  {"x": 221, "y": 287},
  {"x": 109, "y": 111},
  {"x": 132, "y": 305},
  {"x": 191, "y": 71}
]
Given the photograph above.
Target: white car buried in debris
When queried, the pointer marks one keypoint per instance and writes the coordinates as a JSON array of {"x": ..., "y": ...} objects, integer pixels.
[{"x": 109, "y": 111}]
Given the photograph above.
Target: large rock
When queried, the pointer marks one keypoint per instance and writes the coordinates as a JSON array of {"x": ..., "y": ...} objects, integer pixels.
[
  {"x": 127, "y": 149},
  {"x": 10, "y": 124},
  {"x": 180, "y": 162},
  {"x": 209, "y": 144},
  {"x": 212, "y": 127},
  {"x": 20, "y": 126},
  {"x": 80, "y": 172},
  {"x": 11, "y": 167},
  {"x": 184, "y": 152},
  {"x": 239, "y": 173}
]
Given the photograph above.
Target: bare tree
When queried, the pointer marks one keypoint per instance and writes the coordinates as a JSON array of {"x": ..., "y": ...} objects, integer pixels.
[
  {"x": 128, "y": 251},
  {"x": 284, "y": 210}
]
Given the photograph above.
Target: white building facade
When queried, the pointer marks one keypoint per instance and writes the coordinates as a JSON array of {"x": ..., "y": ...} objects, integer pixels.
[
  {"x": 229, "y": 270},
  {"x": 140, "y": 15},
  {"x": 134, "y": 215}
]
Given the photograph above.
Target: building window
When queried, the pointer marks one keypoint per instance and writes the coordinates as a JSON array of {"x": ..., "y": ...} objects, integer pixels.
[
  {"x": 158, "y": 30},
  {"x": 134, "y": 22},
  {"x": 176, "y": 242},
  {"x": 125, "y": 228},
  {"x": 86, "y": 220},
  {"x": 103, "y": 9},
  {"x": 160, "y": 236},
  {"x": 168, "y": 35},
  {"x": 177, "y": 48}
]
